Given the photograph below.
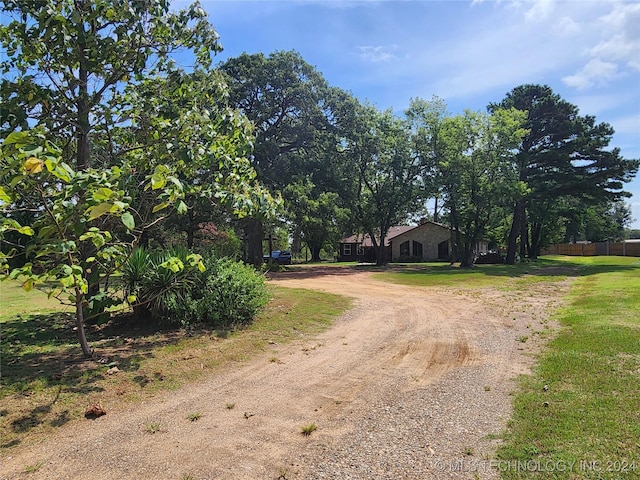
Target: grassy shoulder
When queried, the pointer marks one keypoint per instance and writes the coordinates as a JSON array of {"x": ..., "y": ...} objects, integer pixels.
[
  {"x": 578, "y": 415},
  {"x": 500, "y": 276},
  {"x": 46, "y": 382}
]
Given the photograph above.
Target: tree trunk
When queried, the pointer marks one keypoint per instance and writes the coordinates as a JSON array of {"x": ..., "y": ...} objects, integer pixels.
[
  {"x": 190, "y": 229},
  {"x": 466, "y": 255},
  {"x": 381, "y": 254},
  {"x": 82, "y": 337},
  {"x": 253, "y": 233},
  {"x": 435, "y": 211},
  {"x": 82, "y": 164},
  {"x": 296, "y": 243},
  {"x": 315, "y": 252},
  {"x": 513, "y": 233},
  {"x": 190, "y": 237},
  {"x": 82, "y": 105},
  {"x": 524, "y": 232},
  {"x": 536, "y": 229},
  {"x": 270, "y": 244}
]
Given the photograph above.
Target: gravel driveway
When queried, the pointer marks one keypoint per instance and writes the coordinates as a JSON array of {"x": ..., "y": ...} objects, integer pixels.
[{"x": 412, "y": 383}]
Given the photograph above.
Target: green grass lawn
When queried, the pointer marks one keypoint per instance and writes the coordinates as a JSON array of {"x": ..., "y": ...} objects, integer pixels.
[
  {"x": 15, "y": 301},
  {"x": 502, "y": 276},
  {"x": 578, "y": 415}
]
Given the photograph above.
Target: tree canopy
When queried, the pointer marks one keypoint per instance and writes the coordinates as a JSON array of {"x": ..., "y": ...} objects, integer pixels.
[
  {"x": 564, "y": 155},
  {"x": 103, "y": 137}
]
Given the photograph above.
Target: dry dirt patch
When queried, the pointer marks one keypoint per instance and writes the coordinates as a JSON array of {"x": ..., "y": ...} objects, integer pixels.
[{"x": 411, "y": 383}]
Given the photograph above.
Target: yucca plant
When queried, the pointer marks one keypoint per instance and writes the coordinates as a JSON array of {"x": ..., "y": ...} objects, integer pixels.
[
  {"x": 168, "y": 285},
  {"x": 137, "y": 267},
  {"x": 159, "y": 282}
]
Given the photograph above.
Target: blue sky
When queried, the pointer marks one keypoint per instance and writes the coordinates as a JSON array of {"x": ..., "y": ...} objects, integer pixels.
[{"x": 469, "y": 53}]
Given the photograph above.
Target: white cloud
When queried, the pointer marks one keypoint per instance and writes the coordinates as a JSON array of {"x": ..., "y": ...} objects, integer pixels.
[
  {"x": 540, "y": 11},
  {"x": 615, "y": 52},
  {"x": 375, "y": 53},
  {"x": 566, "y": 27},
  {"x": 595, "y": 72}
]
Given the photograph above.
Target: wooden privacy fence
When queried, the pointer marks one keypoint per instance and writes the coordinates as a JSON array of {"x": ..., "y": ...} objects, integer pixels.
[{"x": 625, "y": 249}]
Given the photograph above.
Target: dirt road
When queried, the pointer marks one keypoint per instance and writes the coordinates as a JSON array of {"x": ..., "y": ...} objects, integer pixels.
[{"x": 413, "y": 383}]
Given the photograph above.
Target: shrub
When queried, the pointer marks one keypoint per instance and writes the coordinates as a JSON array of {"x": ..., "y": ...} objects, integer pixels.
[
  {"x": 234, "y": 294},
  {"x": 169, "y": 285}
]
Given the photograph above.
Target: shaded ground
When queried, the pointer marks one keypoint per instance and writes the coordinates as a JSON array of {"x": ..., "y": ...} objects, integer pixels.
[{"x": 411, "y": 383}]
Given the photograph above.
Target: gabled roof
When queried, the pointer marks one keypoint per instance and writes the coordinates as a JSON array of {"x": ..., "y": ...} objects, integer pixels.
[
  {"x": 365, "y": 240},
  {"x": 441, "y": 225}
]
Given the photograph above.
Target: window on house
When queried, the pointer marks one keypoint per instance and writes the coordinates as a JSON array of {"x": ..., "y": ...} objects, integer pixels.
[
  {"x": 404, "y": 249},
  {"x": 346, "y": 249},
  {"x": 360, "y": 250},
  {"x": 417, "y": 249}
]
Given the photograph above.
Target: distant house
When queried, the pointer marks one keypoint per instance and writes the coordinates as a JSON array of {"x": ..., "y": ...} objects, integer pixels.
[
  {"x": 359, "y": 247},
  {"x": 429, "y": 241}
]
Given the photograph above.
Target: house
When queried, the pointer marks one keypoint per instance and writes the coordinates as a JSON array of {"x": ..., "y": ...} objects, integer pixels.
[
  {"x": 359, "y": 247},
  {"x": 429, "y": 241}
]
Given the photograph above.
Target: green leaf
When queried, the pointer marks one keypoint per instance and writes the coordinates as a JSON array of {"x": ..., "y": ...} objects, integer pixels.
[
  {"x": 158, "y": 181},
  {"x": 60, "y": 170},
  {"x": 128, "y": 221},
  {"x": 160, "y": 206},
  {"x": 181, "y": 207},
  {"x": 26, "y": 230},
  {"x": 28, "y": 284},
  {"x": 47, "y": 231},
  {"x": 174, "y": 264},
  {"x": 16, "y": 137},
  {"x": 98, "y": 241},
  {"x": 4, "y": 197},
  {"x": 102, "y": 194},
  {"x": 99, "y": 210}
]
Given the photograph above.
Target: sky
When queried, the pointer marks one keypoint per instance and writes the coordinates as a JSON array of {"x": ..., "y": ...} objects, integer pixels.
[{"x": 469, "y": 53}]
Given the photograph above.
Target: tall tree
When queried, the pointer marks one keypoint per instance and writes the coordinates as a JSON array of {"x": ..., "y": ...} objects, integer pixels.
[
  {"x": 597, "y": 223},
  {"x": 426, "y": 118},
  {"x": 87, "y": 87},
  {"x": 318, "y": 216},
  {"x": 284, "y": 98},
  {"x": 563, "y": 154},
  {"x": 477, "y": 172},
  {"x": 387, "y": 175},
  {"x": 67, "y": 59},
  {"x": 185, "y": 117}
]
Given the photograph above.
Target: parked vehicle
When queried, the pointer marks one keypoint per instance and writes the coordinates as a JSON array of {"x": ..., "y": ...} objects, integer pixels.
[{"x": 283, "y": 257}]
